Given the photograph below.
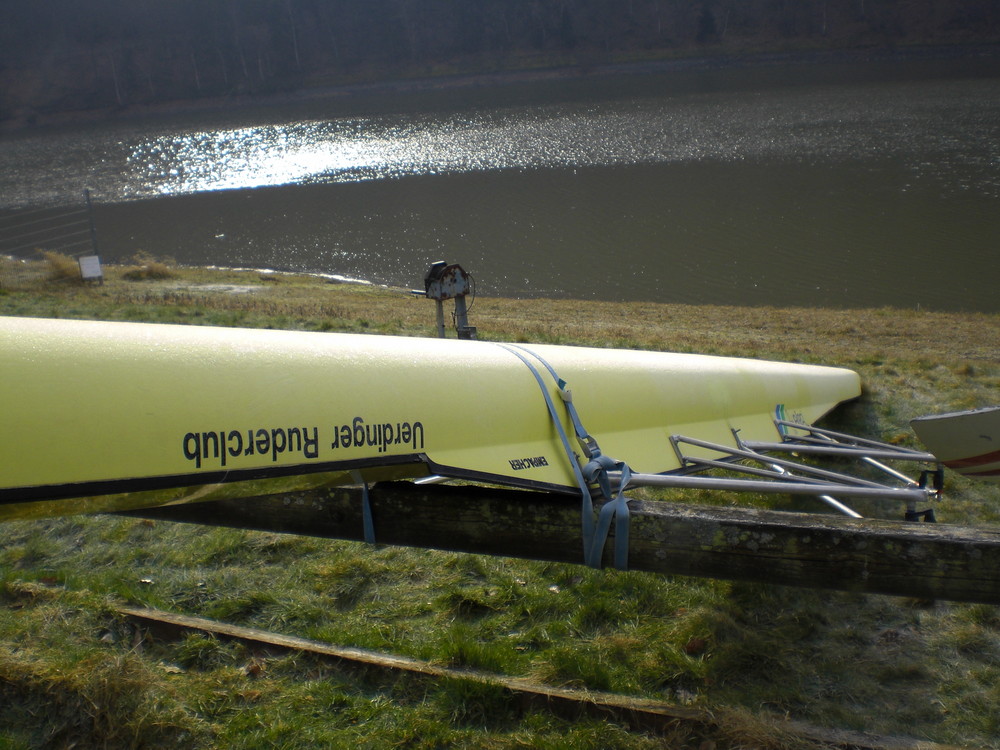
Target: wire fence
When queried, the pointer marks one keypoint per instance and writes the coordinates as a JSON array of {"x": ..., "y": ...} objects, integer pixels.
[{"x": 37, "y": 242}]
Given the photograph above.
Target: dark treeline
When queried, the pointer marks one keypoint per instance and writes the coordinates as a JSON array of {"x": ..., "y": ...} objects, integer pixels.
[{"x": 64, "y": 55}]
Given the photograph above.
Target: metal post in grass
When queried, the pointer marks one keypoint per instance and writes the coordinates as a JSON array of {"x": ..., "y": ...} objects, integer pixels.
[
  {"x": 90, "y": 217},
  {"x": 443, "y": 281}
]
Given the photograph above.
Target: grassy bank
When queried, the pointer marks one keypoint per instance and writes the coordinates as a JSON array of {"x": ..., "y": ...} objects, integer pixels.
[{"x": 71, "y": 671}]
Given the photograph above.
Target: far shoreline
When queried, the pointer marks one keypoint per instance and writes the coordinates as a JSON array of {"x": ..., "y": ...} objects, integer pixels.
[{"x": 498, "y": 79}]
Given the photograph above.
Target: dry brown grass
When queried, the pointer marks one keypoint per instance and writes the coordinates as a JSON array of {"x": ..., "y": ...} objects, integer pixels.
[
  {"x": 147, "y": 268},
  {"x": 959, "y": 341},
  {"x": 61, "y": 267}
]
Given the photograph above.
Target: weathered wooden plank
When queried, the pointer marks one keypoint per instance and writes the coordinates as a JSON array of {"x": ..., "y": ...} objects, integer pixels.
[
  {"x": 637, "y": 713},
  {"x": 642, "y": 713},
  {"x": 933, "y": 561}
]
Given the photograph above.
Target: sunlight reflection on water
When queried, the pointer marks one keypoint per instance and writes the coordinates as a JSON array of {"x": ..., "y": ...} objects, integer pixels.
[
  {"x": 814, "y": 125},
  {"x": 254, "y": 156},
  {"x": 812, "y": 193}
]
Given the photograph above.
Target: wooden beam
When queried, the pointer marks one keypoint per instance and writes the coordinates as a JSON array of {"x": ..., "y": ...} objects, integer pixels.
[
  {"x": 642, "y": 714},
  {"x": 924, "y": 560}
]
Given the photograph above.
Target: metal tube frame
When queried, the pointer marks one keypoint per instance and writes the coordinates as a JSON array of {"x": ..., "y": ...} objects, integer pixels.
[{"x": 785, "y": 475}]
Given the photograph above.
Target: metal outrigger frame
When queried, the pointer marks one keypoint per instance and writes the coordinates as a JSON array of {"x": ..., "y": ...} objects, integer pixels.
[{"x": 767, "y": 473}]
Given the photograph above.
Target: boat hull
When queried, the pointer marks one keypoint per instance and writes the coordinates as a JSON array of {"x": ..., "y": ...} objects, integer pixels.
[
  {"x": 967, "y": 442},
  {"x": 107, "y": 416}
]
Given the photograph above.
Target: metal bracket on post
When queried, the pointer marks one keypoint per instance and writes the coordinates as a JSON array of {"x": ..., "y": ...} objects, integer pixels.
[{"x": 443, "y": 281}]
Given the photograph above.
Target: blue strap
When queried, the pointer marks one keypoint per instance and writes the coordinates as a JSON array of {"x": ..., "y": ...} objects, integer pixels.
[
  {"x": 595, "y": 471},
  {"x": 366, "y": 509},
  {"x": 616, "y": 509},
  {"x": 587, "y": 442},
  {"x": 366, "y": 515},
  {"x": 588, "y": 506}
]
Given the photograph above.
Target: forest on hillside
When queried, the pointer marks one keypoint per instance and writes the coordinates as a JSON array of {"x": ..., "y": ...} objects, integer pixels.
[{"x": 64, "y": 55}]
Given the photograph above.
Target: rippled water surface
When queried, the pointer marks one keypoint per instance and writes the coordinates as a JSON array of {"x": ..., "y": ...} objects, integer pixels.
[{"x": 842, "y": 186}]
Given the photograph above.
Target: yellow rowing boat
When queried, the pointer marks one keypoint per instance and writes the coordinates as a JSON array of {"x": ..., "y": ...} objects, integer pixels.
[{"x": 103, "y": 416}]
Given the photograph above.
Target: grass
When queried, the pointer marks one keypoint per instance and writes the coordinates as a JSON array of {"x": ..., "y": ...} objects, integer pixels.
[
  {"x": 72, "y": 671},
  {"x": 61, "y": 267},
  {"x": 147, "y": 268}
]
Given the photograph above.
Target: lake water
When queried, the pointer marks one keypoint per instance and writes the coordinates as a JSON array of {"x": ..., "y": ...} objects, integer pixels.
[{"x": 823, "y": 185}]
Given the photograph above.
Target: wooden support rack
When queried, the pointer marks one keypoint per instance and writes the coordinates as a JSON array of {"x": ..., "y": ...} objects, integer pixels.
[{"x": 924, "y": 560}]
